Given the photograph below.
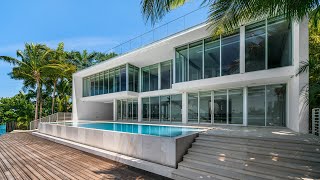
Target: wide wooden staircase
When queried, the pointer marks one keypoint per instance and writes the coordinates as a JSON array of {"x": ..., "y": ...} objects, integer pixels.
[{"x": 227, "y": 157}]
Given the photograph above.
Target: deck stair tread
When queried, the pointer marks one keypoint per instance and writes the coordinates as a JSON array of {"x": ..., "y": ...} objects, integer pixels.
[
  {"x": 301, "y": 166},
  {"x": 250, "y": 158},
  {"x": 191, "y": 174},
  {"x": 260, "y": 143}
]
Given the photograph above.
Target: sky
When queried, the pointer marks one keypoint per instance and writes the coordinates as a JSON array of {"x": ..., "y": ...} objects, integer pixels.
[{"x": 96, "y": 25}]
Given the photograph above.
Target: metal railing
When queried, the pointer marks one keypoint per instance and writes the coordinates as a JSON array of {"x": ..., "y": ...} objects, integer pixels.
[
  {"x": 315, "y": 121},
  {"x": 56, "y": 117},
  {"x": 184, "y": 22}
]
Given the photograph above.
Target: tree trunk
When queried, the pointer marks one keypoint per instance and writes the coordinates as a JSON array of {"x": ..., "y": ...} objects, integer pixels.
[
  {"x": 40, "y": 108},
  {"x": 37, "y": 100},
  {"x": 53, "y": 96}
]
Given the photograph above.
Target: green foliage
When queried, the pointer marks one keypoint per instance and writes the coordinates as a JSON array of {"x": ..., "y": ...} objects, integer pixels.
[{"x": 17, "y": 108}]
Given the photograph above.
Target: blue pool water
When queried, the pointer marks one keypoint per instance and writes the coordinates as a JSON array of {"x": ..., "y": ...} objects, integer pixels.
[
  {"x": 154, "y": 130},
  {"x": 2, "y": 129}
]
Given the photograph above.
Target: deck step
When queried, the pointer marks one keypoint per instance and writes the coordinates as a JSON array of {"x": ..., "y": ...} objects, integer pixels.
[
  {"x": 263, "y": 144},
  {"x": 270, "y": 152},
  {"x": 224, "y": 157}
]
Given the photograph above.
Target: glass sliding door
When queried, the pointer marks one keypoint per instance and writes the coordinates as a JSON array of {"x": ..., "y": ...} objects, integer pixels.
[
  {"x": 235, "y": 106},
  {"x": 145, "y": 109},
  {"x": 154, "y": 109},
  {"x": 123, "y": 77},
  {"x": 106, "y": 82},
  {"x": 119, "y": 111},
  {"x": 255, "y": 47},
  {"x": 211, "y": 58},
  {"x": 256, "y": 106},
  {"x": 166, "y": 75},
  {"x": 195, "y": 60},
  {"x": 279, "y": 43},
  {"x": 165, "y": 108},
  {"x": 111, "y": 81},
  {"x": 276, "y": 105},
  {"x": 205, "y": 107},
  {"x": 230, "y": 54},
  {"x": 130, "y": 110},
  {"x": 145, "y": 79},
  {"x": 124, "y": 110},
  {"x": 181, "y": 64},
  {"x": 154, "y": 77},
  {"x": 135, "y": 110},
  {"x": 220, "y": 107},
  {"x": 176, "y": 108},
  {"x": 193, "y": 107}
]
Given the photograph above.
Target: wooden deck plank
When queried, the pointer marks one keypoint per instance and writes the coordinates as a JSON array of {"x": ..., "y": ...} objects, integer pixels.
[{"x": 24, "y": 156}]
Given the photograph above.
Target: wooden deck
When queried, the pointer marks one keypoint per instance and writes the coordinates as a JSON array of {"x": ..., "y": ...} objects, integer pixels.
[{"x": 24, "y": 156}]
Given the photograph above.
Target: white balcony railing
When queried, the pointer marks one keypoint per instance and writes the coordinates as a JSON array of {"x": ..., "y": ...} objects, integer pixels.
[{"x": 56, "y": 117}]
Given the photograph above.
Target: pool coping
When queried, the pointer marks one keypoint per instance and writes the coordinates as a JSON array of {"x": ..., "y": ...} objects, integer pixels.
[{"x": 131, "y": 161}]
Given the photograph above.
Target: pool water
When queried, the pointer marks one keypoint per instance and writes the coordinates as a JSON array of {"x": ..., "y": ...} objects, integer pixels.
[
  {"x": 2, "y": 129},
  {"x": 154, "y": 130}
]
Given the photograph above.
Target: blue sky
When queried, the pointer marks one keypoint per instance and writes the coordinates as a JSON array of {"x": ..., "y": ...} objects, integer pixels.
[{"x": 93, "y": 25}]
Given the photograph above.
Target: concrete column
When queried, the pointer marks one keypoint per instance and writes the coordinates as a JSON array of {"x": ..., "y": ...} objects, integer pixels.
[
  {"x": 184, "y": 108},
  {"x": 139, "y": 109},
  {"x": 242, "y": 50},
  {"x": 298, "y": 110},
  {"x": 245, "y": 105},
  {"x": 115, "y": 110}
]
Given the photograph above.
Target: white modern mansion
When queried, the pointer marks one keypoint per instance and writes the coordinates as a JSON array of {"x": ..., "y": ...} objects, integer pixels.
[{"x": 244, "y": 78}]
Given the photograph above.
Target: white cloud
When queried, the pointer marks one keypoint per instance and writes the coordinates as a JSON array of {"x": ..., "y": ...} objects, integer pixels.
[{"x": 80, "y": 43}]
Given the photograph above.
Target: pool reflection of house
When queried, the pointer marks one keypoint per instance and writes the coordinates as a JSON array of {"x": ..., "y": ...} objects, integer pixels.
[{"x": 245, "y": 78}]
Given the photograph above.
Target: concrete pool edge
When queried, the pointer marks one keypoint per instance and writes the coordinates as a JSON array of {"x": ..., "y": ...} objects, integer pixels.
[
  {"x": 134, "y": 162},
  {"x": 161, "y": 150}
]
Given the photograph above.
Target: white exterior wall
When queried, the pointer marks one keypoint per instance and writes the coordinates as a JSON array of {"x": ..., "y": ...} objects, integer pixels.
[{"x": 297, "y": 114}]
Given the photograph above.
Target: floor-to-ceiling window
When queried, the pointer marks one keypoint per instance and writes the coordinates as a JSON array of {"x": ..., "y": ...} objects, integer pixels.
[
  {"x": 145, "y": 109},
  {"x": 193, "y": 107},
  {"x": 133, "y": 78},
  {"x": 106, "y": 82},
  {"x": 256, "y": 106},
  {"x": 220, "y": 107},
  {"x": 255, "y": 46},
  {"x": 181, "y": 64},
  {"x": 176, "y": 108},
  {"x": 111, "y": 81},
  {"x": 101, "y": 83},
  {"x": 117, "y": 80},
  {"x": 154, "y": 77},
  {"x": 230, "y": 54},
  {"x": 166, "y": 74},
  {"x": 205, "y": 107},
  {"x": 235, "y": 101},
  {"x": 96, "y": 83},
  {"x": 123, "y": 78},
  {"x": 134, "y": 109},
  {"x": 165, "y": 102},
  {"x": 154, "y": 109},
  {"x": 195, "y": 61},
  {"x": 211, "y": 58},
  {"x": 127, "y": 110}
]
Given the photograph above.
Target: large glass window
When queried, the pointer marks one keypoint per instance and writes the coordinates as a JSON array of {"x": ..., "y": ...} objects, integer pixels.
[
  {"x": 235, "y": 106},
  {"x": 145, "y": 79},
  {"x": 256, "y": 106},
  {"x": 119, "y": 108},
  {"x": 106, "y": 82},
  {"x": 205, "y": 107},
  {"x": 279, "y": 43},
  {"x": 123, "y": 81},
  {"x": 154, "y": 108},
  {"x": 193, "y": 107},
  {"x": 195, "y": 61},
  {"x": 154, "y": 77},
  {"x": 127, "y": 109},
  {"x": 136, "y": 80},
  {"x": 165, "y": 108},
  {"x": 86, "y": 87},
  {"x": 111, "y": 81},
  {"x": 181, "y": 63},
  {"x": 176, "y": 108},
  {"x": 276, "y": 105},
  {"x": 124, "y": 110},
  {"x": 212, "y": 58},
  {"x": 130, "y": 109},
  {"x": 220, "y": 107},
  {"x": 96, "y": 88},
  {"x": 230, "y": 54},
  {"x": 145, "y": 109},
  {"x": 117, "y": 80},
  {"x": 101, "y": 83},
  {"x": 166, "y": 74},
  {"x": 135, "y": 110},
  {"x": 92, "y": 81},
  {"x": 255, "y": 47}
]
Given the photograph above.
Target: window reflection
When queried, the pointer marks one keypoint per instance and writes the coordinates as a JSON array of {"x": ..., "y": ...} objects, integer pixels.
[{"x": 230, "y": 55}]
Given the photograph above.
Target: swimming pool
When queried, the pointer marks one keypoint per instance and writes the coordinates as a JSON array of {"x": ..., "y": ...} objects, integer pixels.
[
  {"x": 2, "y": 129},
  {"x": 153, "y": 130}
]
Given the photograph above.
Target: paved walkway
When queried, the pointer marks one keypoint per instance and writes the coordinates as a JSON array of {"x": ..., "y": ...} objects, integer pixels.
[{"x": 24, "y": 156}]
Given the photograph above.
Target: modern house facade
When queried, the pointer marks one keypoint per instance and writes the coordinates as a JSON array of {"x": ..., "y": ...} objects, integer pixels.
[{"x": 244, "y": 78}]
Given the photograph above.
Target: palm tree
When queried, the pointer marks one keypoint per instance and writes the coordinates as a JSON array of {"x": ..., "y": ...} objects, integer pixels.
[
  {"x": 59, "y": 56},
  {"x": 82, "y": 60},
  {"x": 230, "y": 14},
  {"x": 100, "y": 57},
  {"x": 31, "y": 66}
]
